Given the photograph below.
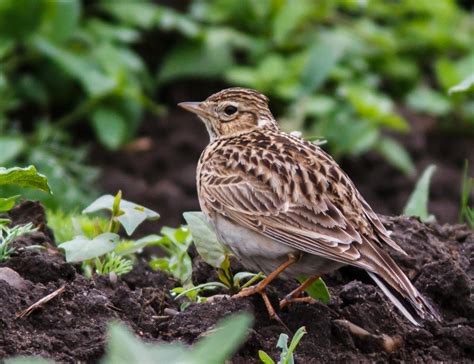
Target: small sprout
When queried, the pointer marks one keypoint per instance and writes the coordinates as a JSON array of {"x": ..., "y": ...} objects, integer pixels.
[
  {"x": 286, "y": 356},
  {"x": 8, "y": 235},
  {"x": 97, "y": 243},
  {"x": 417, "y": 204},
  {"x": 466, "y": 213}
]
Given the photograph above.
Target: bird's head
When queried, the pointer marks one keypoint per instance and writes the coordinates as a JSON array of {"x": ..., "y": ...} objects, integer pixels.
[{"x": 233, "y": 111}]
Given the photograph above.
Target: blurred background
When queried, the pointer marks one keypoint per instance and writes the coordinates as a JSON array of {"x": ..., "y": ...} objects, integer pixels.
[{"x": 88, "y": 91}]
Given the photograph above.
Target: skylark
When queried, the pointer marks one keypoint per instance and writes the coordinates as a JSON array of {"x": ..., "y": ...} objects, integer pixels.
[{"x": 283, "y": 206}]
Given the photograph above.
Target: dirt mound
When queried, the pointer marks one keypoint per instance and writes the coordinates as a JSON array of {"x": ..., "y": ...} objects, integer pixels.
[{"x": 71, "y": 327}]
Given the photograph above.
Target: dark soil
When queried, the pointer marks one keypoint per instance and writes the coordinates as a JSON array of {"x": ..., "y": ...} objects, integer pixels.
[
  {"x": 158, "y": 169},
  {"x": 71, "y": 327}
]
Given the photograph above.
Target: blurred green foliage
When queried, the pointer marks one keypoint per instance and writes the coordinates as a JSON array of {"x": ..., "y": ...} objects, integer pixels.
[
  {"x": 340, "y": 69},
  {"x": 63, "y": 63}
]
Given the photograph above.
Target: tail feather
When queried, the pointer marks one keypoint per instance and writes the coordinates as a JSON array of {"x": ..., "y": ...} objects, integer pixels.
[{"x": 410, "y": 302}]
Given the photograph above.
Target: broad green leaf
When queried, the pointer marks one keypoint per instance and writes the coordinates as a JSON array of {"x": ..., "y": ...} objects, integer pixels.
[
  {"x": 6, "y": 204},
  {"x": 396, "y": 154},
  {"x": 94, "y": 81},
  {"x": 318, "y": 290},
  {"x": 318, "y": 67},
  {"x": 110, "y": 127},
  {"x": 20, "y": 18},
  {"x": 136, "y": 13},
  {"x": 81, "y": 248},
  {"x": 417, "y": 204},
  {"x": 10, "y": 148},
  {"x": 290, "y": 15},
  {"x": 136, "y": 246},
  {"x": 215, "y": 347},
  {"x": 464, "y": 86},
  {"x": 428, "y": 101},
  {"x": 132, "y": 213},
  {"x": 222, "y": 342},
  {"x": 60, "y": 19},
  {"x": 205, "y": 239},
  {"x": 375, "y": 107},
  {"x": 195, "y": 60},
  {"x": 124, "y": 348},
  {"x": 27, "y": 177}
]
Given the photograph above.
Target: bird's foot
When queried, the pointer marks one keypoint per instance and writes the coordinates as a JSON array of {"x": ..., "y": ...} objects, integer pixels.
[
  {"x": 288, "y": 300},
  {"x": 249, "y": 291}
]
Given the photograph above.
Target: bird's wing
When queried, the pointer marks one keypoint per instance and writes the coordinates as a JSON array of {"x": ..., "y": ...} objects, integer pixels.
[{"x": 293, "y": 193}]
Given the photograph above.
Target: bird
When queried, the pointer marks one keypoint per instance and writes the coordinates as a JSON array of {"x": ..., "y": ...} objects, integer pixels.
[{"x": 283, "y": 206}]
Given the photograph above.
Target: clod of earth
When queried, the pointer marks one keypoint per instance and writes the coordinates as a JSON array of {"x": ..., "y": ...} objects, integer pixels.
[{"x": 359, "y": 324}]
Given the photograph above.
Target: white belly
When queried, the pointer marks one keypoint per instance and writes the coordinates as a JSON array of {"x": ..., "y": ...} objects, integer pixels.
[{"x": 260, "y": 253}]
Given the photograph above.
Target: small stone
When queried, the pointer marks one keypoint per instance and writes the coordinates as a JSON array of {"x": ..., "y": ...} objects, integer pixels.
[{"x": 12, "y": 278}]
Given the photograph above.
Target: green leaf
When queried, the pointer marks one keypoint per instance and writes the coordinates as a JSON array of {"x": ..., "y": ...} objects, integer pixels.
[
  {"x": 10, "y": 148},
  {"x": 192, "y": 59},
  {"x": 397, "y": 155},
  {"x": 375, "y": 107},
  {"x": 318, "y": 67},
  {"x": 205, "y": 239},
  {"x": 124, "y": 348},
  {"x": 6, "y": 204},
  {"x": 20, "y": 18},
  {"x": 215, "y": 347},
  {"x": 94, "y": 81},
  {"x": 221, "y": 342},
  {"x": 110, "y": 127},
  {"x": 136, "y": 246},
  {"x": 294, "y": 343},
  {"x": 417, "y": 204},
  {"x": 464, "y": 86},
  {"x": 318, "y": 290},
  {"x": 136, "y": 13},
  {"x": 428, "y": 101},
  {"x": 265, "y": 358},
  {"x": 60, "y": 19},
  {"x": 132, "y": 213},
  {"x": 290, "y": 15},
  {"x": 81, "y": 248},
  {"x": 27, "y": 177}
]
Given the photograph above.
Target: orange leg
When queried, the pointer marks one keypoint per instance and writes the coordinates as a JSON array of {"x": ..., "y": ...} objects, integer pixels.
[
  {"x": 293, "y": 295},
  {"x": 260, "y": 288}
]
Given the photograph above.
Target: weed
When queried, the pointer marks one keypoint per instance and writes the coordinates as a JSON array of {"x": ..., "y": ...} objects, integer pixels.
[
  {"x": 466, "y": 213},
  {"x": 286, "y": 356},
  {"x": 99, "y": 246},
  {"x": 417, "y": 204},
  {"x": 8, "y": 235}
]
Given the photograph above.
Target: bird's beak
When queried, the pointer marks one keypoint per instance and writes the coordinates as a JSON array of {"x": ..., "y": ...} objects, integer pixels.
[{"x": 194, "y": 107}]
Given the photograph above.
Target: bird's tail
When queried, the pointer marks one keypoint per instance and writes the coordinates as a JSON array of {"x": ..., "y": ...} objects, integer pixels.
[{"x": 398, "y": 288}]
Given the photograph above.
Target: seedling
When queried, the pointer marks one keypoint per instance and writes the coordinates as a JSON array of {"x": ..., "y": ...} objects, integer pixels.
[
  {"x": 417, "y": 204},
  {"x": 466, "y": 213},
  {"x": 8, "y": 235},
  {"x": 99, "y": 246},
  {"x": 286, "y": 356}
]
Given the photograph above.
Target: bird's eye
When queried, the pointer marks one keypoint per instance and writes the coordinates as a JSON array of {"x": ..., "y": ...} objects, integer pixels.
[{"x": 229, "y": 110}]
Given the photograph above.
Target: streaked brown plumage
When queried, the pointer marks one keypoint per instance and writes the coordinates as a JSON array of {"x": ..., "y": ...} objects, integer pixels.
[{"x": 271, "y": 195}]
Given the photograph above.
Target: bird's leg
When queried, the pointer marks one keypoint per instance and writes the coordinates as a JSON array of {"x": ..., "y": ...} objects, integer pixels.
[
  {"x": 293, "y": 296},
  {"x": 260, "y": 287}
]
